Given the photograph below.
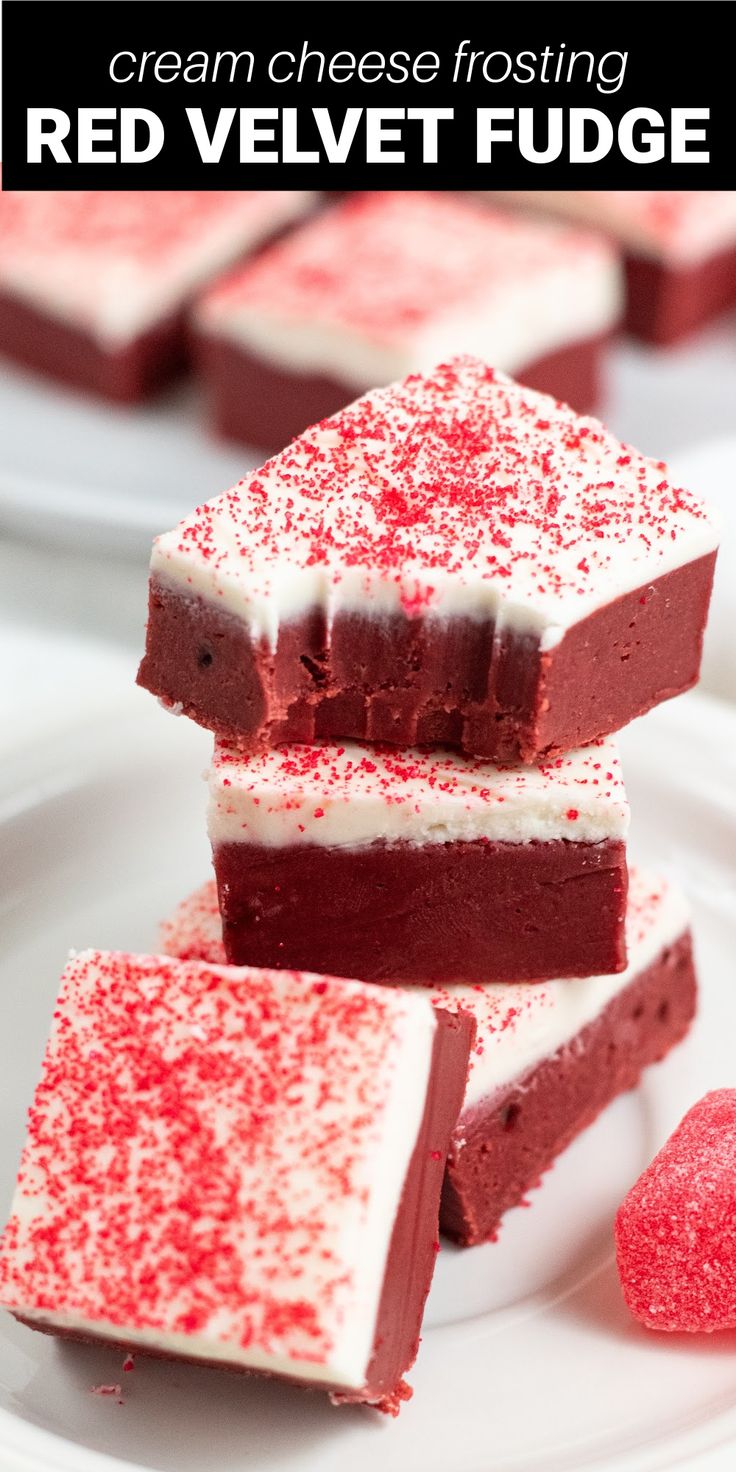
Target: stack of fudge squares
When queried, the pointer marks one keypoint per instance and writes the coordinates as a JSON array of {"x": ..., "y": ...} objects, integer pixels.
[{"x": 412, "y": 633}]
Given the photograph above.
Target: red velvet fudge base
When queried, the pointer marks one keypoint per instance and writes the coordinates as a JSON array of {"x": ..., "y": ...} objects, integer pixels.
[
  {"x": 259, "y": 403},
  {"x": 574, "y": 373},
  {"x": 417, "y": 681},
  {"x": 503, "y": 1145},
  {"x": 412, "y": 1252},
  {"x": 74, "y": 358},
  {"x": 664, "y": 305},
  {"x": 430, "y": 914}
]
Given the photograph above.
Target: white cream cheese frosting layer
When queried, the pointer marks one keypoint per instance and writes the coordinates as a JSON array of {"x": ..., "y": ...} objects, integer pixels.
[
  {"x": 521, "y": 1024},
  {"x": 215, "y": 1159},
  {"x": 113, "y": 264},
  {"x": 349, "y": 795},
  {"x": 458, "y": 492},
  {"x": 680, "y": 227},
  {"x": 388, "y": 284}
]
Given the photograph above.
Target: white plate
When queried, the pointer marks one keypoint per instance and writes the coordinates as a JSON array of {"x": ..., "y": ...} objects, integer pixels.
[
  {"x": 530, "y": 1362},
  {"x": 109, "y": 475}
]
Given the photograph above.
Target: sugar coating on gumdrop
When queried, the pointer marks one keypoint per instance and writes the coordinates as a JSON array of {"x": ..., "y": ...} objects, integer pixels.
[{"x": 676, "y": 1229}]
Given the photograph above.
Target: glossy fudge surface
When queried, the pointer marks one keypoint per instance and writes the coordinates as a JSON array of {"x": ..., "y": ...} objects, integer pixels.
[
  {"x": 549, "y": 1057},
  {"x": 237, "y": 1167},
  {"x": 408, "y": 866},
  {"x": 452, "y": 560}
]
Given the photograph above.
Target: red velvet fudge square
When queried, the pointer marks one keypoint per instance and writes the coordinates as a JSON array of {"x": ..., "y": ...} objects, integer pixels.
[
  {"x": 239, "y": 1168},
  {"x": 423, "y": 868},
  {"x": 95, "y": 287},
  {"x": 386, "y": 284},
  {"x": 452, "y": 560}
]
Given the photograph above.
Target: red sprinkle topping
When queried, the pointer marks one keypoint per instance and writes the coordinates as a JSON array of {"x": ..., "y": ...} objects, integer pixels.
[
  {"x": 372, "y": 265},
  {"x": 286, "y": 782},
  {"x": 201, "y": 1151},
  {"x": 91, "y": 250},
  {"x": 193, "y": 932},
  {"x": 453, "y": 478}
]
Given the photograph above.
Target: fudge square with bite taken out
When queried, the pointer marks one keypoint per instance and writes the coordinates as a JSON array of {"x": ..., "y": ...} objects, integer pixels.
[
  {"x": 95, "y": 287},
  {"x": 453, "y": 560},
  {"x": 386, "y": 284},
  {"x": 421, "y": 867},
  {"x": 239, "y": 1168},
  {"x": 676, "y": 1229}
]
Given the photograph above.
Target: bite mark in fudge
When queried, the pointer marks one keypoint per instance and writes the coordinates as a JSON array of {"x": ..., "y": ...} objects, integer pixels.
[
  {"x": 452, "y": 560},
  {"x": 95, "y": 288},
  {"x": 238, "y": 1168},
  {"x": 386, "y": 284},
  {"x": 680, "y": 251},
  {"x": 549, "y": 1058},
  {"x": 675, "y": 1232},
  {"x": 405, "y": 866}
]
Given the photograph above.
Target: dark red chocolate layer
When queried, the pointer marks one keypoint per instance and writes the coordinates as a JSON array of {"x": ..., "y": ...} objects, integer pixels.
[
  {"x": 415, "y": 681},
  {"x": 665, "y": 304},
  {"x": 574, "y": 373},
  {"x": 73, "y": 357},
  {"x": 412, "y": 1251},
  {"x": 415, "y": 1239},
  {"x": 260, "y": 403},
  {"x": 503, "y": 1145},
  {"x": 430, "y": 914}
]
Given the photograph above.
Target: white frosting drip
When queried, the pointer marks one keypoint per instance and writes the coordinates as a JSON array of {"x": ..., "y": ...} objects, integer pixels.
[
  {"x": 347, "y": 796},
  {"x": 388, "y": 285},
  {"x": 680, "y": 227},
  {"x": 326, "y": 1170},
  {"x": 456, "y": 493},
  {"x": 115, "y": 264},
  {"x": 521, "y": 1024}
]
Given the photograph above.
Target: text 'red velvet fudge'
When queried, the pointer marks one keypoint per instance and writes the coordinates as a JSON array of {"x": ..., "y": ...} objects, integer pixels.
[
  {"x": 95, "y": 287},
  {"x": 679, "y": 251},
  {"x": 548, "y": 1056},
  {"x": 383, "y": 285},
  {"x": 237, "y": 1168},
  {"x": 419, "y": 867},
  {"x": 452, "y": 560}
]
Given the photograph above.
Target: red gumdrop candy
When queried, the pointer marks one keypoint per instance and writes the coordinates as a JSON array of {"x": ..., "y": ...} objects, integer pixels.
[{"x": 676, "y": 1230}]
